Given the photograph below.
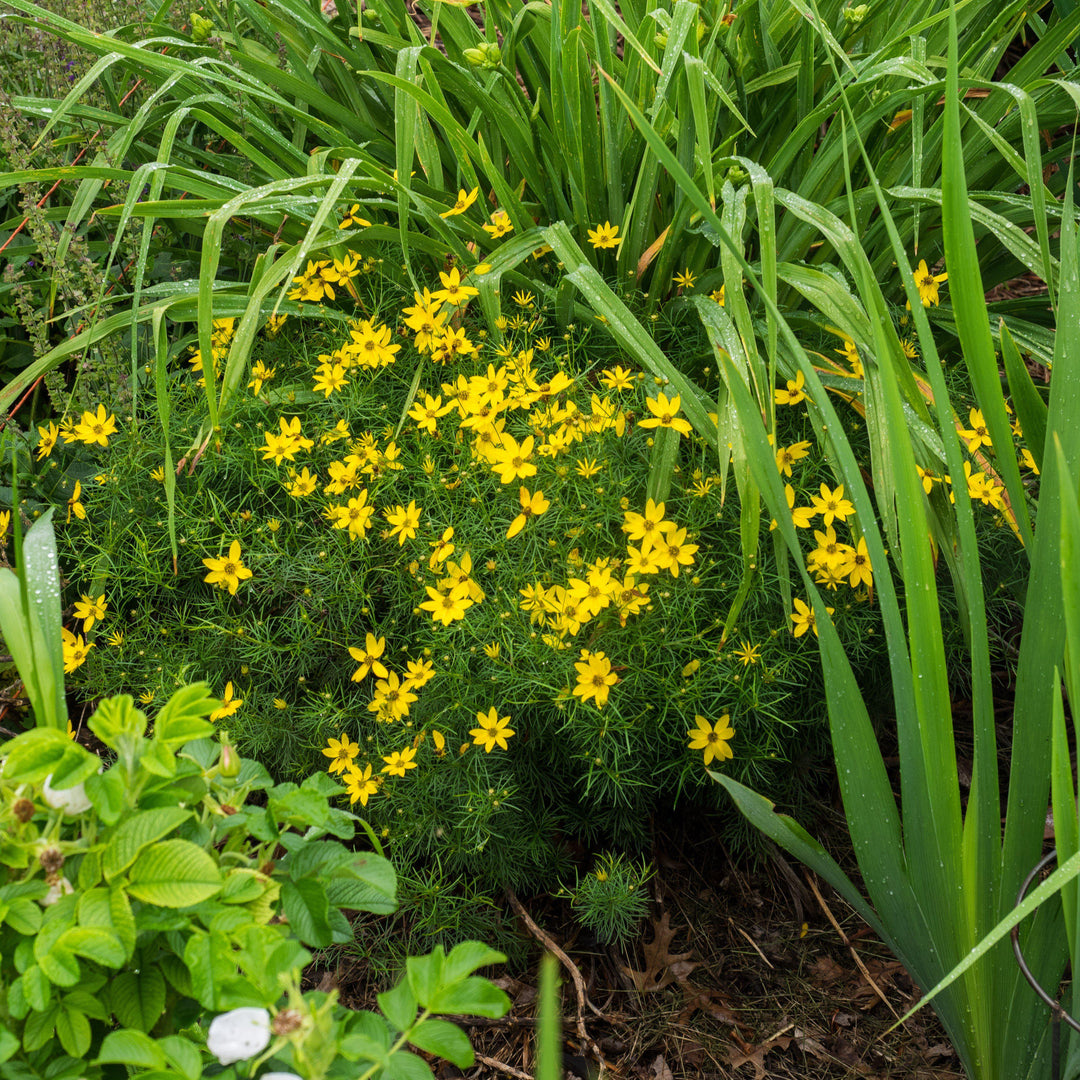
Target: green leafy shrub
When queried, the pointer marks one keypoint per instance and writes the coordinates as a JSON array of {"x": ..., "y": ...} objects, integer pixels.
[
  {"x": 358, "y": 576},
  {"x": 145, "y": 890}
]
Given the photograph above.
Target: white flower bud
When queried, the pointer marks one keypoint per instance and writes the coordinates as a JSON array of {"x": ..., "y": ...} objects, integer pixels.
[
  {"x": 71, "y": 800},
  {"x": 239, "y": 1034}
]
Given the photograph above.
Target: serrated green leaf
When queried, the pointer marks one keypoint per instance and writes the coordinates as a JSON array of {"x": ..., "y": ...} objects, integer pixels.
[
  {"x": 85, "y": 1002},
  {"x": 23, "y": 916},
  {"x": 117, "y": 716},
  {"x": 102, "y": 946},
  {"x": 426, "y": 974},
  {"x": 183, "y": 1055},
  {"x": 106, "y": 792},
  {"x": 406, "y": 1066},
  {"x": 36, "y": 988},
  {"x": 207, "y": 964},
  {"x": 39, "y": 1028},
  {"x": 131, "y": 1048},
  {"x": 444, "y": 1039},
  {"x": 60, "y": 966},
  {"x": 399, "y": 1005},
  {"x": 9, "y": 1043},
  {"x": 158, "y": 759},
  {"x": 38, "y": 753},
  {"x": 90, "y": 869},
  {"x": 466, "y": 957},
  {"x": 242, "y": 886},
  {"x": 73, "y": 1031},
  {"x": 140, "y": 830},
  {"x": 366, "y": 883},
  {"x": 471, "y": 997},
  {"x": 307, "y": 909},
  {"x": 183, "y": 717},
  {"x": 173, "y": 874},
  {"x": 138, "y": 1000}
]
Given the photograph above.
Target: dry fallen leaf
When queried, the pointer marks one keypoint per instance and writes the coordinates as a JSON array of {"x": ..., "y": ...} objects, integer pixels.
[
  {"x": 756, "y": 1056},
  {"x": 661, "y": 967},
  {"x": 826, "y": 970},
  {"x": 660, "y": 1070}
]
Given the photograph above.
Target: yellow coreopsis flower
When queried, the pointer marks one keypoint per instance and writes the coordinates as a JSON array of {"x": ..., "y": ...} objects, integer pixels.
[
  {"x": 493, "y": 730},
  {"x": 95, "y": 429},
  {"x": 500, "y": 225},
  {"x": 90, "y": 610},
  {"x": 977, "y": 436},
  {"x": 368, "y": 658},
  {"x": 464, "y": 201},
  {"x": 75, "y": 650},
  {"x": 229, "y": 704},
  {"x": 832, "y": 504},
  {"x": 405, "y": 520},
  {"x": 856, "y": 566},
  {"x": 712, "y": 738},
  {"x": 595, "y": 678},
  {"x": 341, "y": 751},
  {"x": 605, "y": 236},
  {"x": 665, "y": 414},
  {"x": 510, "y": 459},
  {"x": 360, "y": 785},
  {"x": 74, "y": 505},
  {"x": 792, "y": 393},
  {"x": 399, "y": 761},
  {"x": 927, "y": 284},
  {"x": 453, "y": 292},
  {"x": 447, "y": 607},
  {"x": 45, "y": 445},
  {"x": 228, "y": 571},
  {"x": 532, "y": 505}
]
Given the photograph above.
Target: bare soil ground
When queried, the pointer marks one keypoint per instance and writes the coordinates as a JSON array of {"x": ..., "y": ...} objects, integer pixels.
[{"x": 761, "y": 974}]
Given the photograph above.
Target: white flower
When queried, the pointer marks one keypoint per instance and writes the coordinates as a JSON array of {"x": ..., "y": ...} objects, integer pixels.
[
  {"x": 62, "y": 888},
  {"x": 280, "y": 1076},
  {"x": 239, "y": 1034},
  {"x": 71, "y": 800}
]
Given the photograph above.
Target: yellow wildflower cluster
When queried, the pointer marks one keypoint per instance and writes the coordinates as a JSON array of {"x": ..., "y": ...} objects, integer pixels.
[{"x": 323, "y": 276}]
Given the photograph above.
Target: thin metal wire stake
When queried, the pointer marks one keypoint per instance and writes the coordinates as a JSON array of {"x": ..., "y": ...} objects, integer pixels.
[{"x": 1057, "y": 1012}]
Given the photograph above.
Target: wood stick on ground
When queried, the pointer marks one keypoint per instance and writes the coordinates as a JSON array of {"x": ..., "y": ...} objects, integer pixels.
[
  {"x": 575, "y": 974},
  {"x": 844, "y": 938},
  {"x": 502, "y": 1067},
  {"x": 753, "y": 945}
]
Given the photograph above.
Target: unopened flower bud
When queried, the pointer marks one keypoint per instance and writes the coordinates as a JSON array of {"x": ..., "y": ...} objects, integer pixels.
[
  {"x": 71, "y": 800},
  {"x": 201, "y": 28},
  {"x": 229, "y": 762}
]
